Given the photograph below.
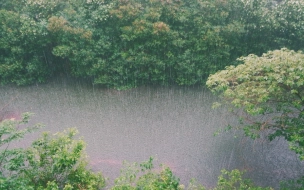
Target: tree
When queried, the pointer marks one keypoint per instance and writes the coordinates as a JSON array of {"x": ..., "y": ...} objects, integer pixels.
[
  {"x": 267, "y": 93},
  {"x": 60, "y": 159},
  {"x": 52, "y": 162},
  {"x": 233, "y": 180},
  {"x": 142, "y": 176},
  {"x": 12, "y": 159},
  {"x": 21, "y": 49},
  {"x": 124, "y": 44}
]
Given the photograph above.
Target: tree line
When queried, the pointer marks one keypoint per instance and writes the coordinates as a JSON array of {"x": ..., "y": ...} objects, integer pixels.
[{"x": 127, "y": 43}]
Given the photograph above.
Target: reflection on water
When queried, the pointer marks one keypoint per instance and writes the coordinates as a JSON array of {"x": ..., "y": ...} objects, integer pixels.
[{"x": 173, "y": 124}]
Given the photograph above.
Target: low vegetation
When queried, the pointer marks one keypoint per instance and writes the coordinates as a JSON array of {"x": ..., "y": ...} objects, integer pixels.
[
  {"x": 58, "y": 161},
  {"x": 52, "y": 162}
]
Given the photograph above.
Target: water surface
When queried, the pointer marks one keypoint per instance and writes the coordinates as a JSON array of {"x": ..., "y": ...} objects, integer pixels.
[{"x": 175, "y": 125}]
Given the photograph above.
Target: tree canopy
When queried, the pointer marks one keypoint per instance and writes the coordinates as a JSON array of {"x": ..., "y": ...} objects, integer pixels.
[
  {"x": 267, "y": 93},
  {"x": 52, "y": 162},
  {"x": 124, "y": 44}
]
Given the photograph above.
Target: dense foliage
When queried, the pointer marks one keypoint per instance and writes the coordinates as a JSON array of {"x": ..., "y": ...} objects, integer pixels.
[
  {"x": 267, "y": 93},
  {"x": 51, "y": 162},
  {"x": 134, "y": 176},
  {"x": 124, "y": 44},
  {"x": 142, "y": 176}
]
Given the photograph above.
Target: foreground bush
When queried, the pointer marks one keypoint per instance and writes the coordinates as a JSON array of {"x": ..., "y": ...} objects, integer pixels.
[
  {"x": 52, "y": 162},
  {"x": 58, "y": 161},
  {"x": 144, "y": 176}
]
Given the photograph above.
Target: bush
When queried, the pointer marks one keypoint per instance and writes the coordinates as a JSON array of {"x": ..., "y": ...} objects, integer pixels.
[
  {"x": 52, "y": 162},
  {"x": 134, "y": 176}
]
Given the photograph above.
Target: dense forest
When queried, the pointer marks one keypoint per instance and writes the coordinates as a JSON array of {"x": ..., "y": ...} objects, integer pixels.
[
  {"x": 123, "y": 44},
  {"x": 127, "y": 43}
]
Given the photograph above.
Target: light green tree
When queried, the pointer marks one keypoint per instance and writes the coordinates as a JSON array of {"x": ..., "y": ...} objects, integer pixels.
[
  {"x": 267, "y": 93},
  {"x": 52, "y": 162},
  {"x": 136, "y": 176},
  {"x": 60, "y": 159},
  {"x": 233, "y": 180},
  {"x": 141, "y": 176},
  {"x": 11, "y": 160}
]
